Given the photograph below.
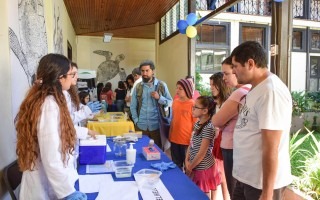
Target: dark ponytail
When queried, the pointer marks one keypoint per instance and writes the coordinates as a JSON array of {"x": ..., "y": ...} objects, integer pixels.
[{"x": 208, "y": 103}]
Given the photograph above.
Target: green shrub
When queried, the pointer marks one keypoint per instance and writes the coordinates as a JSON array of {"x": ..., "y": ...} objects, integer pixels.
[
  {"x": 305, "y": 159},
  {"x": 203, "y": 90},
  {"x": 298, "y": 102}
]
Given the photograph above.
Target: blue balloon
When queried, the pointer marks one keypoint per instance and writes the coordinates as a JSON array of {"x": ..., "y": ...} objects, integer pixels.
[
  {"x": 191, "y": 19},
  {"x": 183, "y": 31},
  {"x": 279, "y": 1},
  {"x": 182, "y": 25}
]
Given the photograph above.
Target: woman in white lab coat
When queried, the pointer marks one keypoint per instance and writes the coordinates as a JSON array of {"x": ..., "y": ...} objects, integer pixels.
[{"x": 46, "y": 135}]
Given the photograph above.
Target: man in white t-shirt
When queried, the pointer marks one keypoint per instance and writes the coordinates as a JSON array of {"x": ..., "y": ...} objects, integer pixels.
[{"x": 261, "y": 161}]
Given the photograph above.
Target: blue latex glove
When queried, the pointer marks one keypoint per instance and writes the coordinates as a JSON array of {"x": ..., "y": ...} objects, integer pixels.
[
  {"x": 163, "y": 166},
  {"x": 94, "y": 106},
  {"x": 76, "y": 196}
]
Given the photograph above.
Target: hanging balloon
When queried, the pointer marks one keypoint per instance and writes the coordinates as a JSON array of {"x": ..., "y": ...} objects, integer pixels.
[
  {"x": 191, "y": 31},
  {"x": 191, "y": 19},
  {"x": 182, "y": 31},
  {"x": 182, "y": 26}
]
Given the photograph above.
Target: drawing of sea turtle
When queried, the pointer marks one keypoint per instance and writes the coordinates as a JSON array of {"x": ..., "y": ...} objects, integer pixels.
[
  {"x": 31, "y": 44},
  {"x": 108, "y": 69}
]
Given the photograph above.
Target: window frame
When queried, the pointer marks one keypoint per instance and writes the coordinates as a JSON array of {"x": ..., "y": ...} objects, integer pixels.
[
  {"x": 266, "y": 31},
  {"x": 228, "y": 35},
  {"x": 310, "y": 41},
  {"x": 208, "y": 46},
  {"x": 304, "y": 39},
  {"x": 309, "y": 77},
  {"x": 182, "y": 16},
  {"x": 211, "y": 49}
]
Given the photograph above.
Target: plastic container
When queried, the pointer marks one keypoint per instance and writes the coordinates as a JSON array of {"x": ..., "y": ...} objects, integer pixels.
[
  {"x": 93, "y": 151},
  {"x": 120, "y": 147},
  {"x": 122, "y": 169},
  {"x": 104, "y": 106},
  {"x": 147, "y": 177}
]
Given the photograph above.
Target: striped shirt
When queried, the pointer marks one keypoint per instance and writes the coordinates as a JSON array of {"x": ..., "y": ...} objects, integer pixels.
[{"x": 208, "y": 132}]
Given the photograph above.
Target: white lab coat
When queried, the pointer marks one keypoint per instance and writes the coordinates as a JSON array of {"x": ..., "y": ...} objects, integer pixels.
[
  {"x": 50, "y": 179},
  {"x": 76, "y": 117}
]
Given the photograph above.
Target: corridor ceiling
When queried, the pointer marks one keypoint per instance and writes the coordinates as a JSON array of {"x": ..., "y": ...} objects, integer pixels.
[{"x": 123, "y": 18}]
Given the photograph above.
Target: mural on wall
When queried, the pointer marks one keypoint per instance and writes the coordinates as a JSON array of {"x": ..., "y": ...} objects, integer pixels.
[
  {"x": 57, "y": 32},
  {"x": 28, "y": 43},
  {"x": 108, "y": 69},
  {"x": 32, "y": 35}
]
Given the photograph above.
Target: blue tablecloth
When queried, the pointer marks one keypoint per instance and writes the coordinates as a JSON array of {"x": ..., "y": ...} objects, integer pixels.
[{"x": 178, "y": 184}]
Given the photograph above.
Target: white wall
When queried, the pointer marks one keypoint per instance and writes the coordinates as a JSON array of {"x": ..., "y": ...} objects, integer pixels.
[
  {"x": 298, "y": 71},
  {"x": 134, "y": 50},
  {"x": 7, "y": 134},
  {"x": 8, "y": 105},
  {"x": 172, "y": 60}
]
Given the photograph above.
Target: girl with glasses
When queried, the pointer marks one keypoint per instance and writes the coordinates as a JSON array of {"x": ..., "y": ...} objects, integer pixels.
[{"x": 200, "y": 162}]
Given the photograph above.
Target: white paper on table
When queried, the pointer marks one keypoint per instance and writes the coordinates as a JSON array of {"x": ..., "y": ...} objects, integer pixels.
[
  {"x": 118, "y": 190},
  {"x": 108, "y": 148},
  {"x": 91, "y": 183},
  {"x": 104, "y": 168},
  {"x": 158, "y": 191}
]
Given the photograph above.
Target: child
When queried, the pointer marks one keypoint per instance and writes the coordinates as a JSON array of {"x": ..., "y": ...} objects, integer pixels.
[
  {"x": 182, "y": 122},
  {"x": 46, "y": 136},
  {"x": 200, "y": 163}
]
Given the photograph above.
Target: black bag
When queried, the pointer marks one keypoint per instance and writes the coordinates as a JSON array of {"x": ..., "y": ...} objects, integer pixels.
[{"x": 165, "y": 117}]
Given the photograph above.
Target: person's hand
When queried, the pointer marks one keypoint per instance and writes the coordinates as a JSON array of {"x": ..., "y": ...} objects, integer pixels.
[
  {"x": 92, "y": 133},
  {"x": 94, "y": 106},
  {"x": 155, "y": 95},
  {"x": 188, "y": 168},
  {"x": 76, "y": 196}
]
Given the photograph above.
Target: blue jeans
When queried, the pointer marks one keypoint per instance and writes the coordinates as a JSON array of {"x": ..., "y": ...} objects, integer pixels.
[
  {"x": 120, "y": 105},
  {"x": 227, "y": 155}
]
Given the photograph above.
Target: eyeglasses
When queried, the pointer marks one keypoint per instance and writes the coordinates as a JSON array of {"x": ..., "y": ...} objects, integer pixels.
[
  {"x": 72, "y": 74},
  {"x": 195, "y": 107}
]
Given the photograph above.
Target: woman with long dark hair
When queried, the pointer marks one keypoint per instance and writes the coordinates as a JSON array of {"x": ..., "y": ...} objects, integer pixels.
[
  {"x": 120, "y": 95},
  {"x": 220, "y": 92},
  {"x": 46, "y": 136}
]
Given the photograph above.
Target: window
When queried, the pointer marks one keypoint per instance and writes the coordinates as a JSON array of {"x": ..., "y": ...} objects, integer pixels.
[
  {"x": 212, "y": 47},
  {"x": 168, "y": 23},
  {"x": 299, "y": 40},
  {"x": 314, "y": 80},
  {"x": 315, "y": 40},
  {"x": 208, "y": 61},
  {"x": 254, "y": 32},
  {"x": 213, "y": 33}
]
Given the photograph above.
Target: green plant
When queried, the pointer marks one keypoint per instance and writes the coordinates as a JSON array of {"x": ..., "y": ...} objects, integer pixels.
[
  {"x": 314, "y": 100},
  {"x": 309, "y": 180},
  {"x": 307, "y": 124},
  {"x": 203, "y": 90},
  {"x": 299, "y": 103}
]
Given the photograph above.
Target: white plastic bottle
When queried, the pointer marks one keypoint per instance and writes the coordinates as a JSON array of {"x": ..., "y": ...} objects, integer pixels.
[{"x": 131, "y": 155}]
